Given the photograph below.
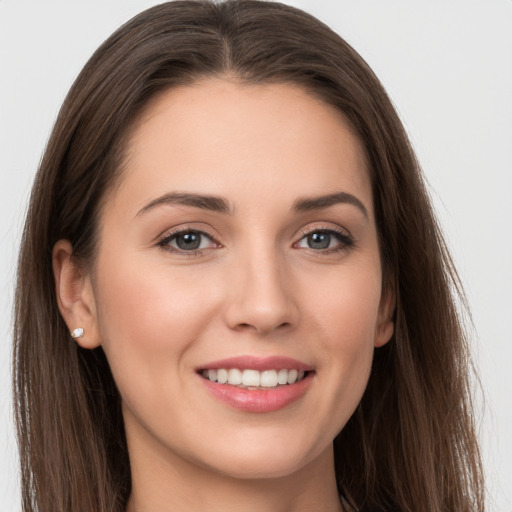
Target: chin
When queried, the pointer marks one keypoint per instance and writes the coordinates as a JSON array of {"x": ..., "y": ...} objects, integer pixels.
[
  {"x": 248, "y": 469},
  {"x": 258, "y": 459}
]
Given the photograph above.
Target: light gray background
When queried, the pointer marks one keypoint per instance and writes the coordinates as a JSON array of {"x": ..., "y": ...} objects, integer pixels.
[{"x": 447, "y": 66}]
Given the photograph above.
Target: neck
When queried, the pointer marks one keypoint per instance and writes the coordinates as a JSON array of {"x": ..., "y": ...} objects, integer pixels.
[{"x": 164, "y": 483}]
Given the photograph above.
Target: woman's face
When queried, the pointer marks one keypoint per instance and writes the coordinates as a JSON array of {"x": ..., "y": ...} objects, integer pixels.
[{"x": 240, "y": 245}]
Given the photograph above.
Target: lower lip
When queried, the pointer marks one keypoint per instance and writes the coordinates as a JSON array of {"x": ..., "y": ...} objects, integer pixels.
[{"x": 259, "y": 400}]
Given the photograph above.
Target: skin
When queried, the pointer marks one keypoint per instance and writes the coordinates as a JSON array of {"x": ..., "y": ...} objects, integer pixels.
[{"x": 256, "y": 288}]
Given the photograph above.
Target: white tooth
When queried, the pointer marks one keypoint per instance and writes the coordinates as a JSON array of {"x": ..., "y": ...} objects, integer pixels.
[
  {"x": 204, "y": 373},
  {"x": 300, "y": 375},
  {"x": 268, "y": 379},
  {"x": 222, "y": 376},
  {"x": 251, "y": 378},
  {"x": 292, "y": 376},
  {"x": 234, "y": 377},
  {"x": 212, "y": 375},
  {"x": 282, "y": 376}
]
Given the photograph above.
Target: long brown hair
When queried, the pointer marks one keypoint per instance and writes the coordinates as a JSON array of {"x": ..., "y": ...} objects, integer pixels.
[{"x": 411, "y": 444}]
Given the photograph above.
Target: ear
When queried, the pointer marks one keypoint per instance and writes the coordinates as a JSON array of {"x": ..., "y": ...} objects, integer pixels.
[
  {"x": 385, "y": 323},
  {"x": 75, "y": 296}
]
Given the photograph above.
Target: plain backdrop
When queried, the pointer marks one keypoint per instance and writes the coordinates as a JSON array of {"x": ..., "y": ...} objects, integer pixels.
[{"x": 447, "y": 66}]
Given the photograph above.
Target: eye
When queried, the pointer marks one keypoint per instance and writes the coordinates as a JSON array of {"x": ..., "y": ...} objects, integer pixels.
[
  {"x": 187, "y": 241},
  {"x": 325, "y": 240}
]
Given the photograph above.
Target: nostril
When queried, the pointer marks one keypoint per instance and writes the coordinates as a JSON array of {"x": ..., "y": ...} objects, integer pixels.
[
  {"x": 260, "y": 327},
  {"x": 245, "y": 327}
]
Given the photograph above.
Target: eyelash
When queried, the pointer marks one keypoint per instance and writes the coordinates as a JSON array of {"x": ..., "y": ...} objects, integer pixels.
[
  {"x": 345, "y": 239},
  {"x": 167, "y": 239}
]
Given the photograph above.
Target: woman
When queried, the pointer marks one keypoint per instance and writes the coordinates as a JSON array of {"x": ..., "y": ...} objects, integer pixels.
[{"x": 230, "y": 222}]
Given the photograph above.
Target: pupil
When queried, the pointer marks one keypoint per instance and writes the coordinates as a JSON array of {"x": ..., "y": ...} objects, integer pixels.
[
  {"x": 189, "y": 241},
  {"x": 319, "y": 240}
]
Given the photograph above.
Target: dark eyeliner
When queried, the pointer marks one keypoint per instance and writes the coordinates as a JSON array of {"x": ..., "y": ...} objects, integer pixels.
[
  {"x": 346, "y": 240},
  {"x": 165, "y": 241}
]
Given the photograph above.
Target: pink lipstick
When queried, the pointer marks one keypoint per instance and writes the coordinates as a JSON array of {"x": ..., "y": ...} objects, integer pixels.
[{"x": 256, "y": 384}]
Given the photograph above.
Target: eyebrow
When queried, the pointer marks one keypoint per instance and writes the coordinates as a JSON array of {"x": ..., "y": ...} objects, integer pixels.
[
  {"x": 205, "y": 202},
  {"x": 222, "y": 205},
  {"x": 320, "y": 202}
]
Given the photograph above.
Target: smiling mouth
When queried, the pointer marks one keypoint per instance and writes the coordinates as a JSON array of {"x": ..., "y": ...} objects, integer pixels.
[{"x": 253, "y": 379}]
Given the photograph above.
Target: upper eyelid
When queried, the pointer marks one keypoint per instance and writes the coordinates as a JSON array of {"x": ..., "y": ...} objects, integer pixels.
[
  {"x": 186, "y": 229},
  {"x": 334, "y": 229}
]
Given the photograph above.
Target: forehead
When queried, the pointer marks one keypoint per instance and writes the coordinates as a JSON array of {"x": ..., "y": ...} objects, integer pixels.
[{"x": 217, "y": 136}]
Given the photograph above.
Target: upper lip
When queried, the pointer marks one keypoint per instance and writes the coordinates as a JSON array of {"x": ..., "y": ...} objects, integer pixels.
[{"x": 257, "y": 363}]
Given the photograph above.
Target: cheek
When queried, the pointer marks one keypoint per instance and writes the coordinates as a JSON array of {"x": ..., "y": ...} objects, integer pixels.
[
  {"x": 345, "y": 304},
  {"x": 150, "y": 317},
  {"x": 344, "y": 321}
]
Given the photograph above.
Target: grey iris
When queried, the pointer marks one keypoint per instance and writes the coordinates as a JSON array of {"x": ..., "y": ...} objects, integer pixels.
[
  {"x": 319, "y": 240},
  {"x": 188, "y": 241}
]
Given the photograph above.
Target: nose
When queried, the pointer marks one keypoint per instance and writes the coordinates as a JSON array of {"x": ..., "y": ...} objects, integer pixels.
[{"x": 261, "y": 296}]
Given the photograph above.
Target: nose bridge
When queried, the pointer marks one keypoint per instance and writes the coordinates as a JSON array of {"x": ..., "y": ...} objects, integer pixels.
[{"x": 262, "y": 298}]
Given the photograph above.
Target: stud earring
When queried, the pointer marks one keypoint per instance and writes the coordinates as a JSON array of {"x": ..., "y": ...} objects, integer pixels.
[{"x": 78, "y": 333}]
